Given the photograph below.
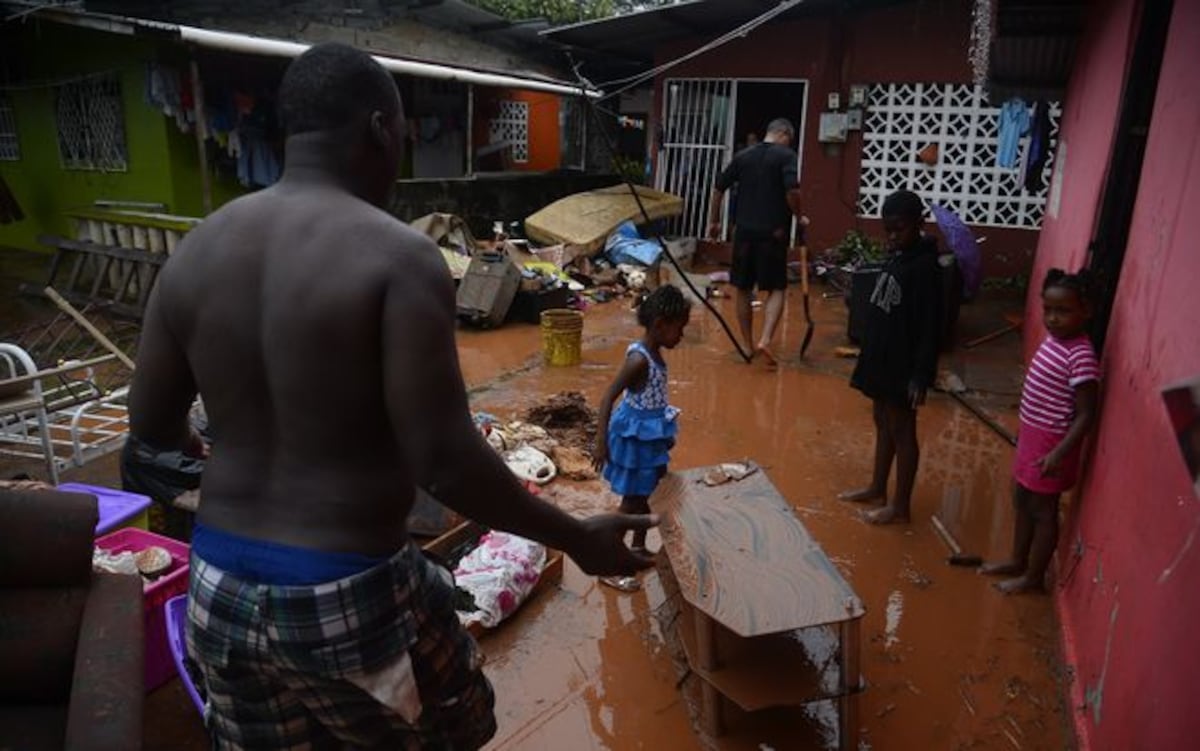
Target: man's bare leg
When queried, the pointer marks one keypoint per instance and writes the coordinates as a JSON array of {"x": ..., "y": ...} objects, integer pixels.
[
  {"x": 1022, "y": 537},
  {"x": 1044, "y": 510},
  {"x": 885, "y": 452},
  {"x": 903, "y": 421},
  {"x": 774, "y": 311},
  {"x": 745, "y": 316}
]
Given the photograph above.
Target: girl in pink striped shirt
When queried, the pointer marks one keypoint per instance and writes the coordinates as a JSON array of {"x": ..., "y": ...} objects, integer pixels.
[{"x": 1058, "y": 404}]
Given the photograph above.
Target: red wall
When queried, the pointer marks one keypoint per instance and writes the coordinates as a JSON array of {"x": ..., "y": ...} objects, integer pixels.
[
  {"x": 1129, "y": 559},
  {"x": 917, "y": 42}
]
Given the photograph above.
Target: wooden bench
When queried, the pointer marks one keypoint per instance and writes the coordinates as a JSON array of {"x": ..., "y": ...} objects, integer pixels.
[{"x": 750, "y": 579}]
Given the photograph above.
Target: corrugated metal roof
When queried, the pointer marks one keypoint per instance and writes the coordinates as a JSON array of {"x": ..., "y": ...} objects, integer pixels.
[{"x": 1033, "y": 48}]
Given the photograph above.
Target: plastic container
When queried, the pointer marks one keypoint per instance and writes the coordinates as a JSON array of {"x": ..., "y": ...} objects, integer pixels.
[
  {"x": 159, "y": 667},
  {"x": 175, "y": 615},
  {"x": 562, "y": 336},
  {"x": 117, "y": 508}
]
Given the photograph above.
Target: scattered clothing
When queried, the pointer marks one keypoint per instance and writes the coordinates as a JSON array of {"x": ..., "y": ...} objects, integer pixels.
[
  {"x": 1013, "y": 123},
  {"x": 376, "y": 660},
  {"x": 257, "y": 165},
  {"x": 641, "y": 432},
  {"x": 1057, "y": 369},
  {"x": 499, "y": 574},
  {"x": 903, "y": 326}
]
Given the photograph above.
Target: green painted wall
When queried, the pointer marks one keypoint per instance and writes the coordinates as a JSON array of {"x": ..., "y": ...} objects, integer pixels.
[{"x": 162, "y": 160}]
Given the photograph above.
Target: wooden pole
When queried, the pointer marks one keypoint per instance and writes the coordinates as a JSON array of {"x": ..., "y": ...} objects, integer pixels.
[
  {"x": 201, "y": 140},
  {"x": 70, "y": 310}
]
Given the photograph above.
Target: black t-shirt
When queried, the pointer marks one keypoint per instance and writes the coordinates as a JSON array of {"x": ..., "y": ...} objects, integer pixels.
[
  {"x": 763, "y": 173},
  {"x": 904, "y": 325}
]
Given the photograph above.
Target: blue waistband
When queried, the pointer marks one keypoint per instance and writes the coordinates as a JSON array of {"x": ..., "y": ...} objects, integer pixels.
[{"x": 265, "y": 562}]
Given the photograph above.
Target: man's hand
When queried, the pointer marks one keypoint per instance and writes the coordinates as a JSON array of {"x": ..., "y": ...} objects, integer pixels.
[
  {"x": 1049, "y": 464},
  {"x": 600, "y": 549},
  {"x": 916, "y": 395},
  {"x": 714, "y": 230}
]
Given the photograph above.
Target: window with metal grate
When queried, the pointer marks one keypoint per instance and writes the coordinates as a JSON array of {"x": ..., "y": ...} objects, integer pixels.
[
  {"x": 91, "y": 125},
  {"x": 10, "y": 147}
]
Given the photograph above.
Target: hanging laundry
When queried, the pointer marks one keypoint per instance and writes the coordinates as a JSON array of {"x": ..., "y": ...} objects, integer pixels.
[
  {"x": 1039, "y": 148},
  {"x": 163, "y": 89},
  {"x": 1012, "y": 123},
  {"x": 257, "y": 165}
]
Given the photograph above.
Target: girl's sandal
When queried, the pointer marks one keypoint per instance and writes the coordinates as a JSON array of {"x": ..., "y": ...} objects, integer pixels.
[{"x": 622, "y": 583}]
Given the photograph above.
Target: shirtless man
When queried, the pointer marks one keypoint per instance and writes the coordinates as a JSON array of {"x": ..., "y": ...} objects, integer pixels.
[{"x": 319, "y": 331}]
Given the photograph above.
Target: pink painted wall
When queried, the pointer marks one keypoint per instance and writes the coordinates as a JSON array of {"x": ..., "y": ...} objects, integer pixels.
[
  {"x": 916, "y": 42},
  {"x": 1129, "y": 559}
]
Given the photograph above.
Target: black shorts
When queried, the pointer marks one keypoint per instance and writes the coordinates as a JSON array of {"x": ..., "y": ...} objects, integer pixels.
[{"x": 759, "y": 262}]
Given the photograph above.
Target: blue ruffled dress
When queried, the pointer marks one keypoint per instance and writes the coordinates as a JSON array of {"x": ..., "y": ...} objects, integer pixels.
[{"x": 641, "y": 433}]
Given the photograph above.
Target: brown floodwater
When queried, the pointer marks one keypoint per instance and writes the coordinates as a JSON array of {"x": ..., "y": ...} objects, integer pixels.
[{"x": 949, "y": 663}]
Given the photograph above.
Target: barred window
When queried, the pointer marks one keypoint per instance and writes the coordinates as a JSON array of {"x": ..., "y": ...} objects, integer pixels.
[
  {"x": 903, "y": 118},
  {"x": 10, "y": 147},
  {"x": 91, "y": 125},
  {"x": 511, "y": 126}
]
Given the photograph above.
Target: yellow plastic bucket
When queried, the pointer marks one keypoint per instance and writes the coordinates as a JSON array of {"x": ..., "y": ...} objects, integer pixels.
[{"x": 562, "y": 336}]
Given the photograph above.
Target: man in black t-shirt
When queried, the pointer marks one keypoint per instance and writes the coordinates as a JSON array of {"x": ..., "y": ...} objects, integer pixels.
[{"x": 768, "y": 195}]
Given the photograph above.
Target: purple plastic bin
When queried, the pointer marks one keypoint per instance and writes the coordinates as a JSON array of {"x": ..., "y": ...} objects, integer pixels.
[
  {"x": 116, "y": 506},
  {"x": 176, "y": 612}
]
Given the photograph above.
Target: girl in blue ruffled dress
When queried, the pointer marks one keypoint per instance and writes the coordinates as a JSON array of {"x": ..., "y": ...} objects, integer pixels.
[{"x": 633, "y": 445}]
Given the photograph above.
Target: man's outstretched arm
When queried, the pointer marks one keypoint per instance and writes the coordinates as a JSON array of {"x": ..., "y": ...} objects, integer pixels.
[{"x": 431, "y": 419}]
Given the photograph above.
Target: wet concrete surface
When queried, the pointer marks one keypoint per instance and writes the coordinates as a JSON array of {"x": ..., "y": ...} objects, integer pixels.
[{"x": 949, "y": 663}]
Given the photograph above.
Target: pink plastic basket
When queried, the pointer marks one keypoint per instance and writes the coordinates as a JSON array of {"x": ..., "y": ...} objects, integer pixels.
[
  {"x": 159, "y": 667},
  {"x": 176, "y": 618}
]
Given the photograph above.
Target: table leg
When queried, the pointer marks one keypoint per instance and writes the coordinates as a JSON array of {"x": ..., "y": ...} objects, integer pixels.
[
  {"x": 850, "y": 675},
  {"x": 706, "y": 648}
]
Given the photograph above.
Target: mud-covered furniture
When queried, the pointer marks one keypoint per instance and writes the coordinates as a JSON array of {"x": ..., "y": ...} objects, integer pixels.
[
  {"x": 758, "y": 601},
  {"x": 71, "y": 649}
]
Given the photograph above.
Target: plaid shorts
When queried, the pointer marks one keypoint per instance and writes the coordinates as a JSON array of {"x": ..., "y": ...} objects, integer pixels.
[{"x": 377, "y": 660}]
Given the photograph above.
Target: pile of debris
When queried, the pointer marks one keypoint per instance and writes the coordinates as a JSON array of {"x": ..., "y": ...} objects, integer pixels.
[
  {"x": 580, "y": 250},
  {"x": 553, "y": 439}
]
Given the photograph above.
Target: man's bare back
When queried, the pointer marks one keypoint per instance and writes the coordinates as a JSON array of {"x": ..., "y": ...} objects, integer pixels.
[{"x": 276, "y": 301}]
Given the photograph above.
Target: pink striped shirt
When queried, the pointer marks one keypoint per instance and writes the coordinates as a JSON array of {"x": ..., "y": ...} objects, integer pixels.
[{"x": 1058, "y": 367}]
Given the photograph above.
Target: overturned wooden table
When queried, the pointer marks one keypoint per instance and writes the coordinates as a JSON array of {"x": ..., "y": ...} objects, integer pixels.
[{"x": 752, "y": 582}]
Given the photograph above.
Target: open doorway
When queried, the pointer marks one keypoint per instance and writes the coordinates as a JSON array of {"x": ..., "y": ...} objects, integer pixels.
[
  {"x": 760, "y": 102},
  {"x": 705, "y": 122}
]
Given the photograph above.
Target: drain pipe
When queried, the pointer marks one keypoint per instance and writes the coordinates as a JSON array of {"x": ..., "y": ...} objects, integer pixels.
[{"x": 255, "y": 45}]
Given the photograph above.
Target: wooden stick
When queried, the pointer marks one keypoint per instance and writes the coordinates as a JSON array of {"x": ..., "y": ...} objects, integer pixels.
[
  {"x": 70, "y": 310},
  {"x": 996, "y": 427},
  {"x": 994, "y": 335},
  {"x": 957, "y": 556}
]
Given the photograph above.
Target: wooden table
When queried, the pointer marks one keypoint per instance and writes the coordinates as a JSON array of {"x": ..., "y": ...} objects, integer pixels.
[{"x": 751, "y": 580}]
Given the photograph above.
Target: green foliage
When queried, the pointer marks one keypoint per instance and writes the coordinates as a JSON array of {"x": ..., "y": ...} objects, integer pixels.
[
  {"x": 856, "y": 248},
  {"x": 555, "y": 11},
  {"x": 564, "y": 11}
]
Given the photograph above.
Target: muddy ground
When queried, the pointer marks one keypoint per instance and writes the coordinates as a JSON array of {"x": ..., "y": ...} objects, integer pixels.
[{"x": 949, "y": 663}]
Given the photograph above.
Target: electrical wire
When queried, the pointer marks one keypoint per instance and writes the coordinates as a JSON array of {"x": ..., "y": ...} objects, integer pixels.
[
  {"x": 662, "y": 243},
  {"x": 631, "y": 82}
]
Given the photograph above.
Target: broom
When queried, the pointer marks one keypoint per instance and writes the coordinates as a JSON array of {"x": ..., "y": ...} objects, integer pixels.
[{"x": 808, "y": 332}]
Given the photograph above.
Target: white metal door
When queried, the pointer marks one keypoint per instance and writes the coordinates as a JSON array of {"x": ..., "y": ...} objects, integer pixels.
[{"x": 697, "y": 142}]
